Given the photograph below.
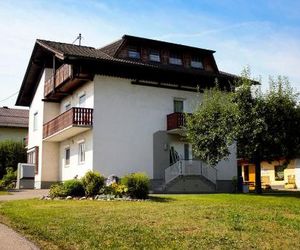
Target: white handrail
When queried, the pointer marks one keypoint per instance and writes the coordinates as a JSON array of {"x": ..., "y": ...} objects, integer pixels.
[{"x": 190, "y": 167}]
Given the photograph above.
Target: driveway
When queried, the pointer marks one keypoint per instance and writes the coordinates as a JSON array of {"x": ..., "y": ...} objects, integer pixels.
[{"x": 23, "y": 194}]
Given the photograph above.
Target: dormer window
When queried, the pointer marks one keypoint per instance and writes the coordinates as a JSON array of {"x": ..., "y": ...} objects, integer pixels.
[
  {"x": 154, "y": 56},
  {"x": 134, "y": 53},
  {"x": 196, "y": 62},
  {"x": 175, "y": 59}
]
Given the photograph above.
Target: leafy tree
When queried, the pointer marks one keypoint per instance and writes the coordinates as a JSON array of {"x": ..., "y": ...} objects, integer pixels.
[
  {"x": 11, "y": 153},
  {"x": 265, "y": 126}
]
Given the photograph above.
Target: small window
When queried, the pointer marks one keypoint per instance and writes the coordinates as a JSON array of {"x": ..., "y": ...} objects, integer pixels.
[
  {"x": 67, "y": 156},
  {"x": 154, "y": 56},
  {"x": 134, "y": 53},
  {"x": 35, "y": 121},
  {"x": 196, "y": 62},
  {"x": 279, "y": 173},
  {"x": 67, "y": 106},
  {"x": 178, "y": 106},
  {"x": 82, "y": 99},
  {"x": 175, "y": 59},
  {"x": 81, "y": 152}
]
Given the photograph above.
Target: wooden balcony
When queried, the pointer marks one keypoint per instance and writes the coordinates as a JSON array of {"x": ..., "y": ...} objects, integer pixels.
[
  {"x": 175, "y": 123},
  {"x": 68, "y": 124},
  {"x": 66, "y": 79}
]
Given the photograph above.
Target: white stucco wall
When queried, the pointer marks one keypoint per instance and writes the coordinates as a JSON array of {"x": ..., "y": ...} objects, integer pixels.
[
  {"x": 297, "y": 172},
  {"x": 75, "y": 168},
  {"x": 125, "y": 118},
  {"x": 87, "y": 89}
]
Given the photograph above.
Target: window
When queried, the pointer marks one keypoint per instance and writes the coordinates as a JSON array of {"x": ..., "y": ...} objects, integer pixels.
[
  {"x": 67, "y": 106},
  {"x": 175, "y": 59},
  {"x": 82, "y": 99},
  {"x": 35, "y": 121},
  {"x": 178, "y": 105},
  {"x": 279, "y": 173},
  {"x": 67, "y": 156},
  {"x": 186, "y": 151},
  {"x": 154, "y": 56},
  {"x": 81, "y": 152},
  {"x": 32, "y": 157},
  {"x": 246, "y": 173},
  {"x": 196, "y": 62},
  {"x": 134, "y": 53}
]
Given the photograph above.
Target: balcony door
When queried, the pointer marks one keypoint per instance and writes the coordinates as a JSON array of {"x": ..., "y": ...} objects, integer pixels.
[{"x": 178, "y": 105}]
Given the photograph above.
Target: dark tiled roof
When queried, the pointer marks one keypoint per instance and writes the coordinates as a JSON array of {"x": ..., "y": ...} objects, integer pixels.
[
  {"x": 112, "y": 48},
  {"x": 14, "y": 117}
]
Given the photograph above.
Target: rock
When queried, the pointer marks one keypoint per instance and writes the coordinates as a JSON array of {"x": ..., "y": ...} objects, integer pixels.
[
  {"x": 91, "y": 198},
  {"x": 82, "y": 198},
  {"x": 42, "y": 197},
  {"x": 48, "y": 198},
  {"x": 69, "y": 198}
]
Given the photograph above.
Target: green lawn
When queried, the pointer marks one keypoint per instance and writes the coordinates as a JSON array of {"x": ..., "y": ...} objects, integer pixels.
[
  {"x": 213, "y": 221},
  {"x": 3, "y": 192}
]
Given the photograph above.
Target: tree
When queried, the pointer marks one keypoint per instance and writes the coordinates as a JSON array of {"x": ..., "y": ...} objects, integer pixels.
[
  {"x": 11, "y": 153},
  {"x": 265, "y": 126}
]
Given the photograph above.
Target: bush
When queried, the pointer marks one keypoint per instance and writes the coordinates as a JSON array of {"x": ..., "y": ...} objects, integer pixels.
[
  {"x": 74, "y": 188},
  {"x": 9, "y": 179},
  {"x": 137, "y": 184},
  {"x": 70, "y": 187},
  {"x": 57, "y": 190},
  {"x": 92, "y": 183},
  {"x": 11, "y": 153},
  {"x": 115, "y": 189}
]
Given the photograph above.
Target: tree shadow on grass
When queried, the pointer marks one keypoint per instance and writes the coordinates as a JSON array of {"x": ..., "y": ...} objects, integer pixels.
[{"x": 160, "y": 199}]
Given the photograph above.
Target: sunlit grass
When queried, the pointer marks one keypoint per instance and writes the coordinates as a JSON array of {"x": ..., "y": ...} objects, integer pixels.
[{"x": 213, "y": 221}]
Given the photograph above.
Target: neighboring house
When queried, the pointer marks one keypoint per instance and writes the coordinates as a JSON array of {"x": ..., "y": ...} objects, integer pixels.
[
  {"x": 120, "y": 109},
  {"x": 275, "y": 174},
  {"x": 13, "y": 124}
]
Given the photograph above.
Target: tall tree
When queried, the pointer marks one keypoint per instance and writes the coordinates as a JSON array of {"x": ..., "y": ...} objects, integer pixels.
[{"x": 265, "y": 126}]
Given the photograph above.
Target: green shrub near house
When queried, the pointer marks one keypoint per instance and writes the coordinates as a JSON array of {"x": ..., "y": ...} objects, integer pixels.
[
  {"x": 92, "y": 182},
  {"x": 11, "y": 153},
  {"x": 137, "y": 184},
  {"x": 9, "y": 179}
]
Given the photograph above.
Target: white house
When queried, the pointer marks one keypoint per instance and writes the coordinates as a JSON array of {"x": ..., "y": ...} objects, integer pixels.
[{"x": 120, "y": 109}]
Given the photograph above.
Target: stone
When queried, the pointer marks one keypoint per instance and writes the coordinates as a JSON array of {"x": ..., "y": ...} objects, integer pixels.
[
  {"x": 82, "y": 198},
  {"x": 69, "y": 197},
  {"x": 42, "y": 197}
]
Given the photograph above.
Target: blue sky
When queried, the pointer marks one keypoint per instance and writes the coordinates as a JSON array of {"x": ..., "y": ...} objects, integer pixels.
[{"x": 262, "y": 34}]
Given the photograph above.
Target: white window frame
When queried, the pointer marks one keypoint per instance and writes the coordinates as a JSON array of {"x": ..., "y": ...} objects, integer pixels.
[
  {"x": 65, "y": 156},
  {"x": 180, "y": 100},
  {"x": 81, "y": 152},
  {"x": 35, "y": 121},
  {"x": 82, "y": 95}
]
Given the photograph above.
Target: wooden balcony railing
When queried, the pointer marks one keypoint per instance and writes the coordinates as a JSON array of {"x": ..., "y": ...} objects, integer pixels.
[
  {"x": 62, "y": 74},
  {"x": 77, "y": 117},
  {"x": 175, "y": 120}
]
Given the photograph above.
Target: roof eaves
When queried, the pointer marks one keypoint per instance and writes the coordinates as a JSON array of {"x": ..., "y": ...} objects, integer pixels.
[{"x": 58, "y": 53}]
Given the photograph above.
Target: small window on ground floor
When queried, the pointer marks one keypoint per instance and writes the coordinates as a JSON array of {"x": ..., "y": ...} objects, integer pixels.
[
  {"x": 81, "y": 152},
  {"x": 32, "y": 157},
  {"x": 67, "y": 156}
]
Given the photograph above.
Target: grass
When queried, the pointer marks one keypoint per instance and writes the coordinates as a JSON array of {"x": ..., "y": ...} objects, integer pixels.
[
  {"x": 213, "y": 221},
  {"x": 3, "y": 192}
]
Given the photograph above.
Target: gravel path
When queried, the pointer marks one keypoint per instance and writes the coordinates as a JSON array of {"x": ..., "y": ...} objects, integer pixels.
[{"x": 24, "y": 194}]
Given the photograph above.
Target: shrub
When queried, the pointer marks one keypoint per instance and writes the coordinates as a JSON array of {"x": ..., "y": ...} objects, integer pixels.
[
  {"x": 74, "y": 188},
  {"x": 92, "y": 183},
  {"x": 57, "y": 190},
  {"x": 9, "y": 179},
  {"x": 137, "y": 184},
  {"x": 115, "y": 189},
  {"x": 11, "y": 153}
]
